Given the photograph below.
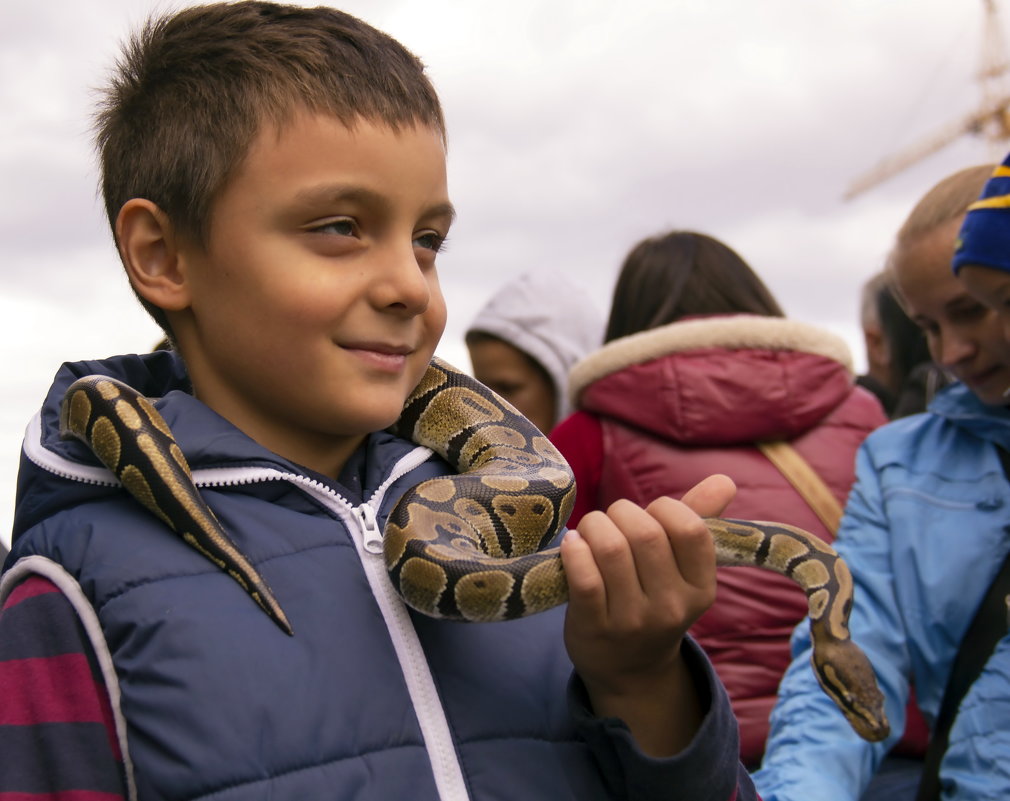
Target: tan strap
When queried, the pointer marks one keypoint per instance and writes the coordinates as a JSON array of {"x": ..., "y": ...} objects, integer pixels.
[{"x": 805, "y": 481}]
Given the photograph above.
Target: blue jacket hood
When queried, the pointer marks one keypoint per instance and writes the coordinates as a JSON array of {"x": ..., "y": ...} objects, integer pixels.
[
  {"x": 208, "y": 441},
  {"x": 959, "y": 405}
]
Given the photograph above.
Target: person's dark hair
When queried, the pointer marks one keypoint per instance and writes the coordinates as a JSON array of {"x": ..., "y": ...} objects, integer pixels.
[
  {"x": 915, "y": 377},
  {"x": 906, "y": 343},
  {"x": 682, "y": 273},
  {"x": 193, "y": 89}
]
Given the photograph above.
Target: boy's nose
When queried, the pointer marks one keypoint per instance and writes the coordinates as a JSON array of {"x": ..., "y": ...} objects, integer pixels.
[{"x": 401, "y": 283}]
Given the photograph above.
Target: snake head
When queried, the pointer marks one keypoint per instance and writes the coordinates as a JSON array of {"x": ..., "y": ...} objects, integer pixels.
[{"x": 846, "y": 675}]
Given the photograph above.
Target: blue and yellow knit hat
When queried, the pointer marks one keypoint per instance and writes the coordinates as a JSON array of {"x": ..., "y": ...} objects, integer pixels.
[{"x": 985, "y": 234}]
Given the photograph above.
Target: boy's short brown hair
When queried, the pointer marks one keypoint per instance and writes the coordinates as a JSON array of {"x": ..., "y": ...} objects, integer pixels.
[{"x": 192, "y": 90}]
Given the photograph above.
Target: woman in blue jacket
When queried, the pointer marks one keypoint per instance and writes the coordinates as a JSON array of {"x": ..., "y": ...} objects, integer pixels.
[{"x": 924, "y": 533}]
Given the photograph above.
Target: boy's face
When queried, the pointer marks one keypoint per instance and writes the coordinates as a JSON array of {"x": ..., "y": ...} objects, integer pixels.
[{"x": 315, "y": 305}]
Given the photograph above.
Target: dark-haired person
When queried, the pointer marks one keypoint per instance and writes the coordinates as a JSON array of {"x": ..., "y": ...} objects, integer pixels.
[
  {"x": 900, "y": 370},
  {"x": 699, "y": 365}
]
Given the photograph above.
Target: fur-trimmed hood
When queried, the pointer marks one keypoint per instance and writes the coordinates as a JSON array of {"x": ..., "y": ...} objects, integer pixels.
[{"x": 718, "y": 380}]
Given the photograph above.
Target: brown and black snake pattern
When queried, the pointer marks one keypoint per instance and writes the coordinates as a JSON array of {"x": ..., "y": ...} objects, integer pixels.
[{"x": 473, "y": 546}]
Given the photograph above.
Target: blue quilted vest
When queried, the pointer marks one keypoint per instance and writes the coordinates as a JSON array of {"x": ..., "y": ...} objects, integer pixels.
[{"x": 365, "y": 701}]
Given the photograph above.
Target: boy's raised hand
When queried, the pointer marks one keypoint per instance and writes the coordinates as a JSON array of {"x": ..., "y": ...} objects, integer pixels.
[{"x": 638, "y": 579}]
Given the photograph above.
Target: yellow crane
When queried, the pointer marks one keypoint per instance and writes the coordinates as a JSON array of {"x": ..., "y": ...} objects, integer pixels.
[{"x": 990, "y": 120}]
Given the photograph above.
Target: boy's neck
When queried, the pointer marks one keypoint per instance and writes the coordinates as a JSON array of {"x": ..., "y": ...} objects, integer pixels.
[{"x": 327, "y": 456}]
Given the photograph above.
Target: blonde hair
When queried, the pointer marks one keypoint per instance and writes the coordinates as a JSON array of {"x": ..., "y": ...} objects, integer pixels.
[{"x": 946, "y": 201}]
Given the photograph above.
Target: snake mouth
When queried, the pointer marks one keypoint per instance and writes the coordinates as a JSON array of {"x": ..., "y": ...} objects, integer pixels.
[{"x": 866, "y": 716}]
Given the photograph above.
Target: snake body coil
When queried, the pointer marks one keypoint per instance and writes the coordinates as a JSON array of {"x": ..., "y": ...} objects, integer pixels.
[{"x": 473, "y": 546}]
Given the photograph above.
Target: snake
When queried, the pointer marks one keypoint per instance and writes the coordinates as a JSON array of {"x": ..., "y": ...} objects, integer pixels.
[{"x": 477, "y": 545}]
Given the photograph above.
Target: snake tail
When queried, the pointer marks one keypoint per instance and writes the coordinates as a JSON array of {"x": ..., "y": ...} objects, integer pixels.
[{"x": 129, "y": 436}]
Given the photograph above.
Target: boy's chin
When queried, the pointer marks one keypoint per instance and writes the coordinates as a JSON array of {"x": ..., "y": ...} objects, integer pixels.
[{"x": 376, "y": 419}]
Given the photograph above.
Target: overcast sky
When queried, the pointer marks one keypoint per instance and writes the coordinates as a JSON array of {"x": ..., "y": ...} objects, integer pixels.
[{"x": 576, "y": 127}]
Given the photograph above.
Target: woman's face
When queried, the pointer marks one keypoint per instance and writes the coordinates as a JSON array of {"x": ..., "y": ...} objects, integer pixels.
[
  {"x": 991, "y": 288},
  {"x": 964, "y": 336}
]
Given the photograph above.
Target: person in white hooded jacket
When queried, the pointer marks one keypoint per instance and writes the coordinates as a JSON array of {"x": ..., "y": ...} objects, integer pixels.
[{"x": 526, "y": 338}]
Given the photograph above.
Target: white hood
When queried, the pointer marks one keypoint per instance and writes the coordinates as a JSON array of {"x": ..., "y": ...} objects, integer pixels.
[{"x": 548, "y": 316}]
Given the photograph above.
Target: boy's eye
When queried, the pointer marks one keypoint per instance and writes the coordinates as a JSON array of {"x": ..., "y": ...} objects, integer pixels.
[
  {"x": 430, "y": 240},
  {"x": 344, "y": 226}
]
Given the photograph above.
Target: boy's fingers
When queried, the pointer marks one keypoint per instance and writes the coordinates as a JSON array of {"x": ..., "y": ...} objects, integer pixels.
[
  {"x": 585, "y": 583},
  {"x": 710, "y": 496},
  {"x": 689, "y": 538},
  {"x": 648, "y": 543},
  {"x": 605, "y": 535}
]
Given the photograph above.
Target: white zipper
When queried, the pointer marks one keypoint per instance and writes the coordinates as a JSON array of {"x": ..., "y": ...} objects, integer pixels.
[
  {"x": 59, "y": 465},
  {"x": 372, "y": 537},
  {"x": 361, "y": 522},
  {"x": 413, "y": 663}
]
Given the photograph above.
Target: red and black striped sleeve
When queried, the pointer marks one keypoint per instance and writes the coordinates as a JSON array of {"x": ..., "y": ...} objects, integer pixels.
[{"x": 57, "y": 735}]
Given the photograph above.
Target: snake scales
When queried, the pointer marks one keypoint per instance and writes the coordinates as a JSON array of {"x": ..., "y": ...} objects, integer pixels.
[{"x": 473, "y": 546}]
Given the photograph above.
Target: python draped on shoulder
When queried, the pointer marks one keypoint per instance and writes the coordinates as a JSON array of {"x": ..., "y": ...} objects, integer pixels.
[{"x": 473, "y": 546}]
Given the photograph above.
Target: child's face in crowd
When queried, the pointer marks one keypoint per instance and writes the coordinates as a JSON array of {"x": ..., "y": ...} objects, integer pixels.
[
  {"x": 991, "y": 287},
  {"x": 509, "y": 372},
  {"x": 964, "y": 336},
  {"x": 315, "y": 306}
]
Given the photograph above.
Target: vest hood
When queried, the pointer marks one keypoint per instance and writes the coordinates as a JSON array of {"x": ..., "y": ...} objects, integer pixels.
[{"x": 57, "y": 474}]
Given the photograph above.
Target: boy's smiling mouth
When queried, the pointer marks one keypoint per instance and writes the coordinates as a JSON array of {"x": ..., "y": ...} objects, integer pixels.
[{"x": 380, "y": 355}]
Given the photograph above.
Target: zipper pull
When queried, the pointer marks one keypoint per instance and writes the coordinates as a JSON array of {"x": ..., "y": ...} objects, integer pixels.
[{"x": 369, "y": 528}]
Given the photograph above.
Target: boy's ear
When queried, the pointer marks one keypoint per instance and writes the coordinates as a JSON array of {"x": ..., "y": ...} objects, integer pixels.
[{"x": 149, "y": 248}]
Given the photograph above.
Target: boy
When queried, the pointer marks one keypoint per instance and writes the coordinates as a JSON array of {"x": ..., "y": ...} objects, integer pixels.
[{"x": 275, "y": 178}]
